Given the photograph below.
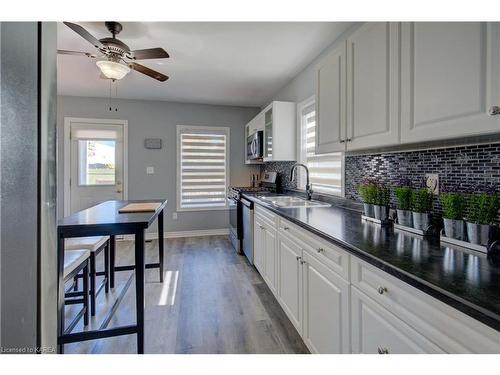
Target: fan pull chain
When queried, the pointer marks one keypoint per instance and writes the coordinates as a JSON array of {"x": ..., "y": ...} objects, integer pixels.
[
  {"x": 116, "y": 94},
  {"x": 110, "y": 95}
]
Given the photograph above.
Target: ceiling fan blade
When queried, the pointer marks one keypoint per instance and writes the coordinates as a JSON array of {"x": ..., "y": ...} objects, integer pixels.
[
  {"x": 85, "y": 34},
  {"x": 75, "y": 53},
  {"x": 150, "y": 53},
  {"x": 149, "y": 72}
]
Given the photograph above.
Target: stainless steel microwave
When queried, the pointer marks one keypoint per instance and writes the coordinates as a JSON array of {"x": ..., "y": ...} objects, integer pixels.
[{"x": 255, "y": 145}]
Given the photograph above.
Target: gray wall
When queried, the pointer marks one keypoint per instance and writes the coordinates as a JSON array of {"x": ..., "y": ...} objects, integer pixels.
[
  {"x": 301, "y": 87},
  {"x": 157, "y": 119},
  {"x": 19, "y": 203}
]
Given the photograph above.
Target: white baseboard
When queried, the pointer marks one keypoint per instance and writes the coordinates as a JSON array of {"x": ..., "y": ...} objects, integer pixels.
[{"x": 184, "y": 233}]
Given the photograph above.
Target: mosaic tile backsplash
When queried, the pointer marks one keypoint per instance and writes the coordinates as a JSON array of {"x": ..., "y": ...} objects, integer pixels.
[
  {"x": 464, "y": 169},
  {"x": 283, "y": 168}
]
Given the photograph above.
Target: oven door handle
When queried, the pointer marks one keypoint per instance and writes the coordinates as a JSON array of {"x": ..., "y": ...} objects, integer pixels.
[{"x": 246, "y": 203}]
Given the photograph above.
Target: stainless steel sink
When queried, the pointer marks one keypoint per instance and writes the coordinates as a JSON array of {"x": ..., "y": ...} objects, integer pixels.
[{"x": 290, "y": 201}]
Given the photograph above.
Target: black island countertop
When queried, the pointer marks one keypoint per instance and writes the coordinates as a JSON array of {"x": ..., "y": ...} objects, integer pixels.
[{"x": 466, "y": 280}]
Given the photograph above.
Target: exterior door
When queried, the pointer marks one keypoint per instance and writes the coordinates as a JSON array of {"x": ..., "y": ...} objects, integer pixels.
[{"x": 96, "y": 165}]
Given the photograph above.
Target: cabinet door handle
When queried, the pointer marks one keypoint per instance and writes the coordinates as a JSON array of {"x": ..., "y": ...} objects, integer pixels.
[
  {"x": 286, "y": 228},
  {"x": 381, "y": 290},
  {"x": 320, "y": 250},
  {"x": 383, "y": 351}
]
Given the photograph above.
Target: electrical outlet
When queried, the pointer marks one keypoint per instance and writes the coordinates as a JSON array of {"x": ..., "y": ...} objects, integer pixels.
[
  {"x": 150, "y": 170},
  {"x": 174, "y": 215},
  {"x": 432, "y": 182}
]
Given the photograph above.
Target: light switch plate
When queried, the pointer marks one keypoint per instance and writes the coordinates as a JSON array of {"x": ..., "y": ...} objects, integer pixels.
[
  {"x": 150, "y": 170},
  {"x": 432, "y": 183}
]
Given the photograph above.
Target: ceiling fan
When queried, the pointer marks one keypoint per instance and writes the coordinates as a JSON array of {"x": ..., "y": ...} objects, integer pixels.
[{"x": 117, "y": 58}]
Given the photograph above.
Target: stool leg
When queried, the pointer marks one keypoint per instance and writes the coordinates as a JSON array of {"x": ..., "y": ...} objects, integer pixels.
[
  {"x": 86, "y": 294},
  {"x": 106, "y": 267},
  {"x": 112, "y": 246},
  {"x": 92, "y": 283}
]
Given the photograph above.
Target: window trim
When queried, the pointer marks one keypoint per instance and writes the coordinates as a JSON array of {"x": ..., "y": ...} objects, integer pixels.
[
  {"x": 194, "y": 128},
  {"x": 301, "y": 151}
]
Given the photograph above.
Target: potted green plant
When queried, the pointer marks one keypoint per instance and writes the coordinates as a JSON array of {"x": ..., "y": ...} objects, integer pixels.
[
  {"x": 421, "y": 206},
  {"x": 403, "y": 195},
  {"x": 382, "y": 201},
  {"x": 482, "y": 210},
  {"x": 454, "y": 205},
  {"x": 368, "y": 192}
]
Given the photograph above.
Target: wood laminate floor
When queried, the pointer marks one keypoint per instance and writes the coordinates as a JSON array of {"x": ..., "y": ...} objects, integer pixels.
[{"x": 212, "y": 301}]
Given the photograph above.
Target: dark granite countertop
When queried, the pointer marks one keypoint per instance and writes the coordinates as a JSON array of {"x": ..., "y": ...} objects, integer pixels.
[{"x": 466, "y": 280}]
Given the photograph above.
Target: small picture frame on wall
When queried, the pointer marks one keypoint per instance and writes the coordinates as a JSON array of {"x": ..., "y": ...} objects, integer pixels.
[{"x": 152, "y": 143}]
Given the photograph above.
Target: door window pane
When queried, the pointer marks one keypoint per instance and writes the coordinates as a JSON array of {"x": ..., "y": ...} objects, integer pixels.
[{"x": 96, "y": 162}]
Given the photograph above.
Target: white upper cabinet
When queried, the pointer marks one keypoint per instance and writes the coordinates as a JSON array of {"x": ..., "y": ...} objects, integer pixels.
[
  {"x": 373, "y": 86},
  {"x": 393, "y": 83},
  {"x": 330, "y": 102},
  {"x": 449, "y": 79},
  {"x": 279, "y": 131}
]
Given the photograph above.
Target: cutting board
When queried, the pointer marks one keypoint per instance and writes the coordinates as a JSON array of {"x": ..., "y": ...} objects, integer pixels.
[{"x": 139, "y": 207}]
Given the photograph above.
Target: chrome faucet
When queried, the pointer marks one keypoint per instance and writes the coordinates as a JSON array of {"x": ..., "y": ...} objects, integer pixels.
[{"x": 309, "y": 190}]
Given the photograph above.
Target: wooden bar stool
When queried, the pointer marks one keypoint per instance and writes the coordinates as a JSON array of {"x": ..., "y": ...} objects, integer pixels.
[
  {"x": 74, "y": 262},
  {"x": 95, "y": 245}
]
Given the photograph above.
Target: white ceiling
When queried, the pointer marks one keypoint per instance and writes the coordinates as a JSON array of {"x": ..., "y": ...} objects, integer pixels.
[{"x": 233, "y": 63}]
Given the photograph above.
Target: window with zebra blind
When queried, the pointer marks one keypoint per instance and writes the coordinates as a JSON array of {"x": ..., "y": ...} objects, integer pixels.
[
  {"x": 326, "y": 169},
  {"x": 202, "y": 167}
]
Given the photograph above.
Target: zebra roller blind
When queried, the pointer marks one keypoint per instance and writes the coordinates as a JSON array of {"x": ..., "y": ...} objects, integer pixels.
[
  {"x": 325, "y": 169},
  {"x": 203, "y": 167}
]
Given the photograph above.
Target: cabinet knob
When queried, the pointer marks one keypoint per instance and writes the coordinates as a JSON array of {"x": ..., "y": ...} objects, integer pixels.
[
  {"x": 348, "y": 140},
  {"x": 383, "y": 351},
  {"x": 303, "y": 262},
  {"x": 342, "y": 140},
  {"x": 494, "y": 110},
  {"x": 298, "y": 258},
  {"x": 286, "y": 228},
  {"x": 320, "y": 250},
  {"x": 381, "y": 289}
]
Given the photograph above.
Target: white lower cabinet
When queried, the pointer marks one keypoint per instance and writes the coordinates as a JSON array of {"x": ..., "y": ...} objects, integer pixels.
[
  {"x": 290, "y": 280},
  {"x": 341, "y": 304},
  {"x": 258, "y": 245},
  {"x": 270, "y": 254},
  {"x": 376, "y": 330},
  {"x": 326, "y": 308}
]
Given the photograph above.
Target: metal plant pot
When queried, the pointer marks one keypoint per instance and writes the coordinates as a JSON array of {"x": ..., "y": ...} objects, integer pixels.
[
  {"x": 421, "y": 220},
  {"x": 454, "y": 229},
  {"x": 405, "y": 218},
  {"x": 478, "y": 234},
  {"x": 380, "y": 212},
  {"x": 368, "y": 209}
]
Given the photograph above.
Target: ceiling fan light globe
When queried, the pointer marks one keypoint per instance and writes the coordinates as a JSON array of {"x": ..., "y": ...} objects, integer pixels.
[{"x": 113, "y": 70}]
